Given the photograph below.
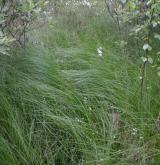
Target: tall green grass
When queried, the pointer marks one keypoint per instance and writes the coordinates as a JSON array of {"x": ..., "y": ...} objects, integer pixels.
[{"x": 58, "y": 98}]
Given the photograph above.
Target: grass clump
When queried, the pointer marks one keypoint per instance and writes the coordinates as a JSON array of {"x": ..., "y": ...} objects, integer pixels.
[{"x": 62, "y": 103}]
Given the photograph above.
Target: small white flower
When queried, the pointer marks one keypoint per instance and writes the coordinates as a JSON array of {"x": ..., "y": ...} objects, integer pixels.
[
  {"x": 147, "y": 47},
  {"x": 86, "y": 3},
  {"x": 78, "y": 120},
  {"x": 149, "y": 59},
  {"x": 140, "y": 77},
  {"x": 144, "y": 59},
  {"x": 134, "y": 131},
  {"x": 154, "y": 24},
  {"x": 100, "y": 52}
]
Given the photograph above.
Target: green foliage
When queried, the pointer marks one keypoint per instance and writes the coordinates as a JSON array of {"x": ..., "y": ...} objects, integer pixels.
[
  {"x": 4, "y": 44},
  {"x": 18, "y": 17},
  {"x": 142, "y": 17},
  {"x": 145, "y": 18},
  {"x": 72, "y": 97}
]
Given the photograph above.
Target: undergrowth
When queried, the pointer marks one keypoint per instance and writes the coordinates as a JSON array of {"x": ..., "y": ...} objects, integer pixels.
[{"x": 59, "y": 98}]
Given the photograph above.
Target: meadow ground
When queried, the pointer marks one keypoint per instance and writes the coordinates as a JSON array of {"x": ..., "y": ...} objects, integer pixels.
[{"x": 73, "y": 97}]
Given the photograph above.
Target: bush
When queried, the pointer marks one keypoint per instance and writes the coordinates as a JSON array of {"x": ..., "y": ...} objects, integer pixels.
[{"x": 18, "y": 16}]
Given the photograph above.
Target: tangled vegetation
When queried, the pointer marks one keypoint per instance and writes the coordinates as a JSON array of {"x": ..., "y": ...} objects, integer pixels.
[{"x": 79, "y": 82}]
